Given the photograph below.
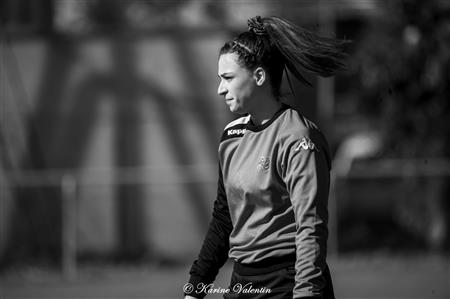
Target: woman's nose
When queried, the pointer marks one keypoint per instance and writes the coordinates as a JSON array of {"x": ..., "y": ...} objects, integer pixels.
[{"x": 221, "y": 90}]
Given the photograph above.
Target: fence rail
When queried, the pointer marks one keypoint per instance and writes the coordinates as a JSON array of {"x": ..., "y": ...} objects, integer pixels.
[
  {"x": 100, "y": 176},
  {"x": 70, "y": 180}
]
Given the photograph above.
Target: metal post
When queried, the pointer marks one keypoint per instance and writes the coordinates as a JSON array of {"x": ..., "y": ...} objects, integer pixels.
[
  {"x": 325, "y": 86},
  {"x": 325, "y": 111},
  {"x": 69, "y": 226}
]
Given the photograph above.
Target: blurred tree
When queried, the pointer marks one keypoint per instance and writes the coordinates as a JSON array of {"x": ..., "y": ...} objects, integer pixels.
[{"x": 404, "y": 67}]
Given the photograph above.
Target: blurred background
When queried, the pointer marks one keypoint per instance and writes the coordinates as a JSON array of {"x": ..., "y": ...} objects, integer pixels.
[{"x": 110, "y": 124}]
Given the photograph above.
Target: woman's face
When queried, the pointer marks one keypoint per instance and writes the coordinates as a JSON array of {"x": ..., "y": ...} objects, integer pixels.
[{"x": 237, "y": 84}]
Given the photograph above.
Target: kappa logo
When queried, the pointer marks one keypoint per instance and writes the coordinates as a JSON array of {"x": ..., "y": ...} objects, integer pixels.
[
  {"x": 306, "y": 143},
  {"x": 235, "y": 132},
  {"x": 263, "y": 164}
]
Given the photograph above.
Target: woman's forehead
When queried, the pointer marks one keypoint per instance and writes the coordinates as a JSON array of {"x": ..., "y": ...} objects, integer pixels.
[{"x": 228, "y": 62}]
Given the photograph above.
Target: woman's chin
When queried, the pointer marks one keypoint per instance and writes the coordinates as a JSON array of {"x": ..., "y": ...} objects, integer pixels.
[
  {"x": 232, "y": 108},
  {"x": 235, "y": 109}
]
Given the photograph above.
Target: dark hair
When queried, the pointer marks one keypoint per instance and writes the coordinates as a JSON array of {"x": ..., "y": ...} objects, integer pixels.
[{"x": 275, "y": 44}]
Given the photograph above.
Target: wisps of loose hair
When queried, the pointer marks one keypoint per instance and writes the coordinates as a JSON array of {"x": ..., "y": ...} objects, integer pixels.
[
  {"x": 318, "y": 54},
  {"x": 277, "y": 44}
]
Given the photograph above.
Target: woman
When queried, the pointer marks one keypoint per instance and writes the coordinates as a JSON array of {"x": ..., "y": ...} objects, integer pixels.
[{"x": 270, "y": 215}]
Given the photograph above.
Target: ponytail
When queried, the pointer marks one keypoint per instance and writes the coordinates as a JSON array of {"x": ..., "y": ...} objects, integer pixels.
[
  {"x": 279, "y": 45},
  {"x": 301, "y": 48}
]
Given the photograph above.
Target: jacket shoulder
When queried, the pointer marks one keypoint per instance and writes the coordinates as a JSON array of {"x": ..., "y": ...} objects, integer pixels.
[
  {"x": 236, "y": 128},
  {"x": 297, "y": 121},
  {"x": 297, "y": 127}
]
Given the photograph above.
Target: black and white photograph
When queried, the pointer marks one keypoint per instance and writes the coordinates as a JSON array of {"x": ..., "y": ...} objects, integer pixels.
[{"x": 259, "y": 149}]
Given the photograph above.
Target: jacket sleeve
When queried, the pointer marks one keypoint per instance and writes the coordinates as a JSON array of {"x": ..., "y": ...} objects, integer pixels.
[
  {"x": 214, "y": 251},
  {"x": 305, "y": 172}
]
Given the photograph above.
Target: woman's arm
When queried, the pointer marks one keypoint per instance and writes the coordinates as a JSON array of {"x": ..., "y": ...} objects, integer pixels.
[
  {"x": 214, "y": 251},
  {"x": 306, "y": 174}
]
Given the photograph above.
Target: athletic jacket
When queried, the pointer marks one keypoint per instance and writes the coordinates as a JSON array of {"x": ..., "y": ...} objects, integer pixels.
[{"x": 271, "y": 199}]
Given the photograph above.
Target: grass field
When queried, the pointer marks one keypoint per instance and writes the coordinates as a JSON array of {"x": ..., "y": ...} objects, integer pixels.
[{"x": 354, "y": 277}]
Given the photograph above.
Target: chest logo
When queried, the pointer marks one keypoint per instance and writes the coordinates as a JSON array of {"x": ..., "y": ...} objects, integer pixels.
[
  {"x": 306, "y": 144},
  {"x": 236, "y": 132},
  {"x": 263, "y": 164}
]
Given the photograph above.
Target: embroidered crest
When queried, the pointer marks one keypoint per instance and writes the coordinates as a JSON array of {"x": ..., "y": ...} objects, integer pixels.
[
  {"x": 263, "y": 164},
  {"x": 306, "y": 143}
]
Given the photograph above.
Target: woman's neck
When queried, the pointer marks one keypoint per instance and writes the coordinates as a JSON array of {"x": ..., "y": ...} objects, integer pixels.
[{"x": 265, "y": 111}]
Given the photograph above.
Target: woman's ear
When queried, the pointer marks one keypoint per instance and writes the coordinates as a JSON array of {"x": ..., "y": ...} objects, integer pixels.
[{"x": 260, "y": 76}]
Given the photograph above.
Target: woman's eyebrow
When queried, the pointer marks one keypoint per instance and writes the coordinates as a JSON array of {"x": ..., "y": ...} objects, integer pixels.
[{"x": 224, "y": 74}]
